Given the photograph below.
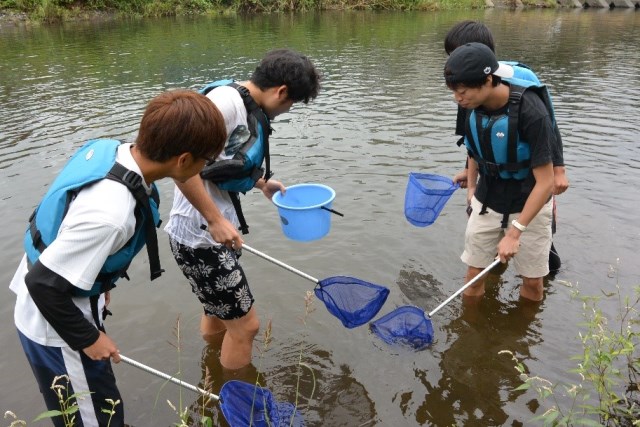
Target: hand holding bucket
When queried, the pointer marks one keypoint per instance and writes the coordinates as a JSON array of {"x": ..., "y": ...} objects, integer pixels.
[{"x": 425, "y": 197}]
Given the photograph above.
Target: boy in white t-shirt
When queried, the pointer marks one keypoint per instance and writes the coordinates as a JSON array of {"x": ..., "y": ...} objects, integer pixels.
[
  {"x": 207, "y": 258},
  {"x": 98, "y": 213}
]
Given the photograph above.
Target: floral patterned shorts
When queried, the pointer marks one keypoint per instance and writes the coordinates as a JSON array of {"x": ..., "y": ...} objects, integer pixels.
[{"x": 216, "y": 278}]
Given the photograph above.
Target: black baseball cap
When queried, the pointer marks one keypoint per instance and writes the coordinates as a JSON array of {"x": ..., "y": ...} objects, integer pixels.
[{"x": 472, "y": 62}]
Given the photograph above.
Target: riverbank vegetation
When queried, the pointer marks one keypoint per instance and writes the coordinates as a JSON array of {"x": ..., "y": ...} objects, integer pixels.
[
  {"x": 50, "y": 11},
  {"x": 606, "y": 390}
]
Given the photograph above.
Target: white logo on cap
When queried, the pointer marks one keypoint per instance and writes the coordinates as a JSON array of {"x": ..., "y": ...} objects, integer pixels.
[
  {"x": 500, "y": 134},
  {"x": 487, "y": 70},
  {"x": 89, "y": 154}
]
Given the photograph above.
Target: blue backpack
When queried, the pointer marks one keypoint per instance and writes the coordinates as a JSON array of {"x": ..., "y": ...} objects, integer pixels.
[
  {"x": 524, "y": 72},
  {"x": 248, "y": 146},
  {"x": 94, "y": 161},
  {"x": 507, "y": 158},
  {"x": 521, "y": 72}
]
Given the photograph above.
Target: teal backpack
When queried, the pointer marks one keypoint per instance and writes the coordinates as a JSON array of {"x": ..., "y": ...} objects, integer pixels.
[{"x": 249, "y": 148}]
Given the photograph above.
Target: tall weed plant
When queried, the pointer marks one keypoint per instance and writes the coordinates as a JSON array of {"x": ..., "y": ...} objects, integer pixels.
[
  {"x": 267, "y": 339},
  {"x": 181, "y": 410},
  {"x": 606, "y": 391},
  {"x": 68, "y": 405}
]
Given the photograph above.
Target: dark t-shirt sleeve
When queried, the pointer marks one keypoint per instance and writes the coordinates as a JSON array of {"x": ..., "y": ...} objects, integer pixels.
[
  {"x": 536, "y": 128},
  {"x": 460, "y": 121},
  {"x": 557, "y": 150},
  {"x": 460, "y": 129}
]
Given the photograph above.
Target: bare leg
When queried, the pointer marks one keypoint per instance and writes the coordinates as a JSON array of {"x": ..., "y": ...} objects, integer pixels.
[
  {"x": 211, "y": 328},
  {"x": 248, "y": 374},
  {"x": 532, "y": 288},
  {"x": 477, "y": 289},
  {"x": 529, "y": 309},
  {"x": 237, "y": 344},
  {"x": 471, "y": 308}
]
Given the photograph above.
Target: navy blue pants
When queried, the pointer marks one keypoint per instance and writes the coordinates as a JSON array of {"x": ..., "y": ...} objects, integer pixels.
[{"x": 85, "y": 375}]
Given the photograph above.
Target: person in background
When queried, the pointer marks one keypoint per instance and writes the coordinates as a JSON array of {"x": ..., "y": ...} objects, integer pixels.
[
  {"x": 97, "y": 215},
  {"x": 475, "y": 31},
  {"x": 206, "y": 212},
  {"x": 511, "y": 203}
]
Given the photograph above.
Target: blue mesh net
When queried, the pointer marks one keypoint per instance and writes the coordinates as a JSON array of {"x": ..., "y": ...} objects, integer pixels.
[
  {"x": 406, "y": 325},
  {"x": 245, "y": 405},
  {"x": 353, "y": 301},
  {"x": 425, "y": 197}
]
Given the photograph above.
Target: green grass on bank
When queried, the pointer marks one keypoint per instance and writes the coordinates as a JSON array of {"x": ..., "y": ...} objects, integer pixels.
[{"x": 61, "y": 10}]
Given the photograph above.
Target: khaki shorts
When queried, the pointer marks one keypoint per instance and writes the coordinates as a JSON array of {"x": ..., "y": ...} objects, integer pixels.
[{"x": 484, "y": 232}]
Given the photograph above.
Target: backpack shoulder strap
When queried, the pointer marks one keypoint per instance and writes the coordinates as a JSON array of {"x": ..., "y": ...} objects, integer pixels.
[
  {"x": 254, "y": 109},
  {"x": 235, "y": 199},
  {"x": 515, "y": 96},
  {"x": 469, "y": 134},
  {"x": 133, "y": 182},
  {"x": 210, "y": 86}
]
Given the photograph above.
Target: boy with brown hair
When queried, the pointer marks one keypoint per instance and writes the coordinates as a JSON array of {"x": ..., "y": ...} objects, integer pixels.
[{"x": 96, "y": 216}]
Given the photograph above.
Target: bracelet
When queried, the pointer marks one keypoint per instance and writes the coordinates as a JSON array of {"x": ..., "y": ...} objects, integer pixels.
[{"x": 519, "y": 226}]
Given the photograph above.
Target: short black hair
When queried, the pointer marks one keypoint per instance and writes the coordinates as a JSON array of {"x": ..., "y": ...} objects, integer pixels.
[
  {"x": 468, "y": 32},
  {"x": 495, "y": 81},
  {"x": 290, "y": 68}
]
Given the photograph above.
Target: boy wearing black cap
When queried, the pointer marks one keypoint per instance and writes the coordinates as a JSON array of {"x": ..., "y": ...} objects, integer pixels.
[
  {"x": 511, "y": 203},
  {"x": 469, "y": 31}
]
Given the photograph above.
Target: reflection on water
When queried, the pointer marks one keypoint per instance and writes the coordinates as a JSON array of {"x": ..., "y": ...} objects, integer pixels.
[
  {"x": 468, "y": 339},
  {"x": 383, "y": 112},
  {"x": 423, "y": 290},
  {"x": 468, "y": 382},
  {"x": 471, "y": 340},
  {"x": 305, "y": 377},
  {"x": 338, "y": 397}
]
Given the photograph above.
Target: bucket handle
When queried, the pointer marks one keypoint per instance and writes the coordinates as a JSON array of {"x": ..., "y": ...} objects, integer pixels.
[{"x": 331, "y": 210}]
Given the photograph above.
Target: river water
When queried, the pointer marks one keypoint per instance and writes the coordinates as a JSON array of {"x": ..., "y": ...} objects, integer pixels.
[{"x": 383, "y": 112}]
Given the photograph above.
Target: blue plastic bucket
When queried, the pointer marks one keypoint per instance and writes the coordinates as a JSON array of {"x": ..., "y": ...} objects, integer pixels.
[
  {"x": 425, "y": 197},
  {"x": 301, "y": 211}
]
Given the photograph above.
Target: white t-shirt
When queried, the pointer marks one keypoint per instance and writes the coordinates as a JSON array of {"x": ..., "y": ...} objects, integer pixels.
[
  {"x": 185, "y": 220},
  {"x": 99, "y": 222}
]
